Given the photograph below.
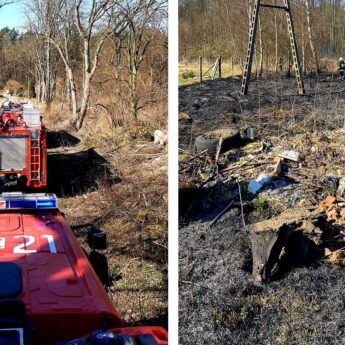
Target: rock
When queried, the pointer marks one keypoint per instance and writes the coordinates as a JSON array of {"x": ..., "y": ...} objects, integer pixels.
[
  {"x": 341, "y": 187},
  {"x": 184, "y": 117},
  {"x": 330, "y": 183},
  {"x": 160, "y": 137},
  {"x": 336, "y": 256}
]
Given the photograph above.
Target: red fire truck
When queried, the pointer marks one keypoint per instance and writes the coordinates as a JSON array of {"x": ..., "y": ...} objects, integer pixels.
[
  {"x": 50, "y": 292},
  {"x": 23, "y": 147}
]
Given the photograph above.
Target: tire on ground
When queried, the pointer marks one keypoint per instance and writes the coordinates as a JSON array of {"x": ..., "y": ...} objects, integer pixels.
[{"x": 210, "y": 140}]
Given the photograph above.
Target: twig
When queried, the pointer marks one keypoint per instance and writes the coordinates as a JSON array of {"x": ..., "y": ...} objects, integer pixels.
[
  {"x": 247, "y": 165},
  {"x": 199, "y": 155},
  {"x": 191, "y": 283},
  {"x": 140, "y": 148},
  {"x": 125, "y": 266},
  {"x": 226, "y": 209},
  {"x": 215, "y": 220},
  {"x": 219, "y": 148},
  {"x": 242, "y": 214},
  {"x": 161, "y": 245}
]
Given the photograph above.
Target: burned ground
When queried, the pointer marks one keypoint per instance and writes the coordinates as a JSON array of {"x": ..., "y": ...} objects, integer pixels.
[
  {"x": 61, "y": 138},
  {"x": 220, "y": 302},
  {"x": 86, "y": 168},
  {"x": 214, "y": 104}
]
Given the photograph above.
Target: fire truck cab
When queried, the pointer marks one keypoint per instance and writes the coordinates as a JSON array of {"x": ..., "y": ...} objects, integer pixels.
[
  {"x": 23, "y": 147},
  {"x": 49, "y": 292}
]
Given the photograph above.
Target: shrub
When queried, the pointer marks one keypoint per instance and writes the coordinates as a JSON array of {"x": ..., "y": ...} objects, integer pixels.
[
  {"x": 188, "y": 75},
  {"x": 12, "y": 85},
  {"x": 20, "y": 92}
]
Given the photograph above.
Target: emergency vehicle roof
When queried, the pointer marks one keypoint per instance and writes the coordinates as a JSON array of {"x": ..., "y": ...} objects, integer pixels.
[{"x": 58, "y": 283}]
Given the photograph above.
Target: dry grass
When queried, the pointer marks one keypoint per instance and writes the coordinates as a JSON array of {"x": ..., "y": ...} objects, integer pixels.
[
  {"x": 193, "y": 66},
  {"x": 229, "y": 70},
  {"x": 131, "y": 209}
]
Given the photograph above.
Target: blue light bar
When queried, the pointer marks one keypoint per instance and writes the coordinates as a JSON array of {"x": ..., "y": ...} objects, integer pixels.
[
  {"x": 20, "y": 203},
  {"x": 27, "y": 201},
  {"x": 45, "y": 204}
]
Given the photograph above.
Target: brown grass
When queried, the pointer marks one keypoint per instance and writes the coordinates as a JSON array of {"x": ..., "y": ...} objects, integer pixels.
[
  {"x": 133, "y": 212},
  {"x": 193, "y": 66}
]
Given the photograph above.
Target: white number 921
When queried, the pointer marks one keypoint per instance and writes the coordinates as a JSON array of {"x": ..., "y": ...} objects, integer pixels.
[{"x": 22, "y": 248}]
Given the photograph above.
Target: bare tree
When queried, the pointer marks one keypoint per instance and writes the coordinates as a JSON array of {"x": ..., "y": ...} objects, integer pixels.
[
  {"x": 311, "y": 36},
  {"x": 141, "y": 40},
  {"x": 98, "y": 10},
  {"x": 76, "y": 19},
  {"x": 40, "y": 26},
  {"x": 319, "y": 23},
  {"x": 7, "y": 2}
]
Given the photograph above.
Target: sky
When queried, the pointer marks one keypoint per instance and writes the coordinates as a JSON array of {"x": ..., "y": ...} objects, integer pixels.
[{"x": 13, "y": 16}]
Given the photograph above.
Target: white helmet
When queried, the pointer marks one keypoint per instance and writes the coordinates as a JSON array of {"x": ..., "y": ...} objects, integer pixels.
[{"x": 341, "y": 59}]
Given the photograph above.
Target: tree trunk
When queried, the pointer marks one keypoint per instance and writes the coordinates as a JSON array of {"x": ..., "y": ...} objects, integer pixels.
[
  {"x": 261, "y": 52},
  {"x": 303, "y": 53},
  {"x": 84, "y": 102},
  {"x": 134, "y": 95},
  {"x": 73, "y": 92},
  {"x": 276, "y": 42},
  {"x": 311, "y": 40}
]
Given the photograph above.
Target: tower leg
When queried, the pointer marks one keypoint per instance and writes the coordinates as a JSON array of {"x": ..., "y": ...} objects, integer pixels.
[
  {"x": 294, "y": 50},
  {"x": 251, "y": 46}
]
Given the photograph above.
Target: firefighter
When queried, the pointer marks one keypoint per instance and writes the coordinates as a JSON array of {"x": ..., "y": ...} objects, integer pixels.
[{"x": 341, "y": 69}]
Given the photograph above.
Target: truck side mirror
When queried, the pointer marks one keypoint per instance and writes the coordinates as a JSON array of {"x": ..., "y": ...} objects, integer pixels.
[
  {"x": 97, "y": 239},
  {"x": 99, "y": 263}
]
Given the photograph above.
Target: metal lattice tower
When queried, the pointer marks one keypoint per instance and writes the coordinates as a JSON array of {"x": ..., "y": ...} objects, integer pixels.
[{"x": 251, "y": 45}]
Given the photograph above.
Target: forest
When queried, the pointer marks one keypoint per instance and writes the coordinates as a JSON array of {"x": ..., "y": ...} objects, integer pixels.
[
  {"x": 222, "y": 29},
  {"x": 107, "y": 56}
]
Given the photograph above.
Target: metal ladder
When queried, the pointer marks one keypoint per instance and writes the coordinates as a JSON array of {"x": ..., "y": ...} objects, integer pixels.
[
  {"x": 35, "y": 153},
  {"x": 251, "y": 45}
]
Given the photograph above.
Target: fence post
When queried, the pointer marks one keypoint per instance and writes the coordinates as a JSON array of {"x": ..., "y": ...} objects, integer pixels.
[
  {"x": 220, "y": 66},
  {"x": 200, "y": 66},
  {"x": 232, "y": 65}
]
